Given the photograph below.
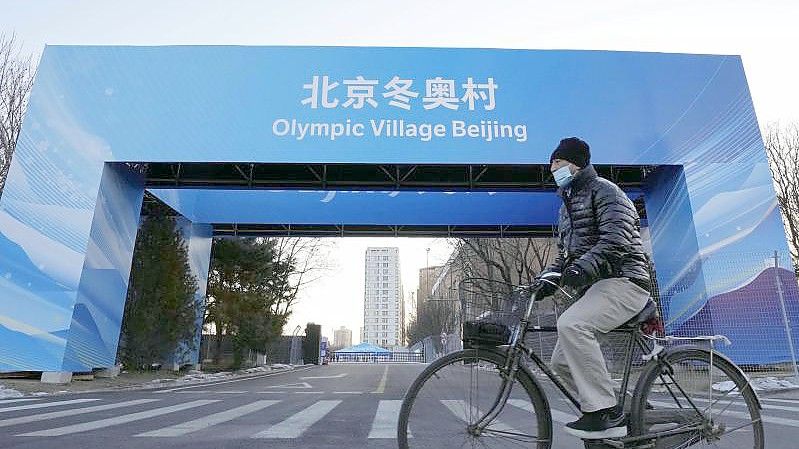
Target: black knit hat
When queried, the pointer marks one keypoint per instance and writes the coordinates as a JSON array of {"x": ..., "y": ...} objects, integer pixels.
[{"x": 574, "y": 150}]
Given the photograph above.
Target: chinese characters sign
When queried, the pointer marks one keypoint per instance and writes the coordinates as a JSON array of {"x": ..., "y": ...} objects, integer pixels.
[
  {"x": 361, "y": 93},
  {"x": 399, "y": 93}
]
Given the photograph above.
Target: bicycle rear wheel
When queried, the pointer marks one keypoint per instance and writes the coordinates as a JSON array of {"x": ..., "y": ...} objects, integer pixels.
[
  {"x": 454, "y": 392},
  {"x": 686, "y": 392}
]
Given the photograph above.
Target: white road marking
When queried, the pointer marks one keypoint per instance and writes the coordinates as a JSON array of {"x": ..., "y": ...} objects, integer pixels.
[
  {"x": 295, "y": 425},
  {"x": 740, "y": 403},
  {"x": 348, "y": 392},
  {"x": 742, "y": 415},
  {"x": 381, "y": 388},
  {"x": 386, "y": 418},
  {"x": 93, "y": 425},
  {"x": 296, "y": 385},
  {"x": 71, "y": 412},
  {"x": 459, "y": 409},
  {"x": 208, "y": 421},
  {"x": 557, "y": 415},
  {"x": 337, "y": 376},
  {"x": 45, "y": 404},
  {"x": 783, "y": 401}
]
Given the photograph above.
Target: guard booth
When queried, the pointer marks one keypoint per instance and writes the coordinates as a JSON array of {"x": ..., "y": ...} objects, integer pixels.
[{"x": 343, "y": 141}]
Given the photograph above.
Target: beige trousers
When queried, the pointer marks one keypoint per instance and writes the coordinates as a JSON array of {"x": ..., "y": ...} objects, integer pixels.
[{"x": 577, "y": 358}]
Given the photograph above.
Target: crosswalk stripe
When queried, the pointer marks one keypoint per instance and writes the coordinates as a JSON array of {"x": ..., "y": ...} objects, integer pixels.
[
  {"x": 386, "y": 418},
  {"x": 722, "y": 403},
  {"x": 208, "y": 421},
  {"x": 557, "y": 415},
  {"x": 93, "y": 425},
  {"x": 45, "y": 405},
  {"x": 458, "y": 408},
  {"x": 70, "y": 412},
  {"x": 744, "y": 416},
  {"x": 298, "y": 423},
  {"x": 783, "y": 401}
]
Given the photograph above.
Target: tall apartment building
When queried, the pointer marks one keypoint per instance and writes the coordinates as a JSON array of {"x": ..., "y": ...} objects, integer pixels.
[
  {"x": 384, "y": 308},
  {"x": 342, "y": 337}
]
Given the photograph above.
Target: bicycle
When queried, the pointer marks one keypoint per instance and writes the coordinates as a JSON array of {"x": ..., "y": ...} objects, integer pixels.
[{"x": 485, "y": 396}]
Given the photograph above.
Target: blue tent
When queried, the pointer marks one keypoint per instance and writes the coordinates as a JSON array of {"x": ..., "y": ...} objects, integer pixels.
[{"x": 363, "y": 348}]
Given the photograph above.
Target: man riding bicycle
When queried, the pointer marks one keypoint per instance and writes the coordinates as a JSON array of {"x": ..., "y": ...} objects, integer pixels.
[{"x": 600, "y": 254}]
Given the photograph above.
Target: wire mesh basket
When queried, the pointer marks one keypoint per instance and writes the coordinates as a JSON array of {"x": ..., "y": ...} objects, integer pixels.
[{"x": 490, "y": 311}]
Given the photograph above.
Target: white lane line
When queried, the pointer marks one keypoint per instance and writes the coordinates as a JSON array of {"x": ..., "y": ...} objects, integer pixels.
[
  {"x": 348, "y": 392},
  {"x": 308, "y": 392},
  {"x": 459, "y": 409},
  {"x": 208, "y": 421},
  {"x": 337, "y": 376},
  {"x": 381, "y": 388},
  {"x": 93, "y": 425},
  {"x": 386, "y": 418},
  {"x": 71, "y": 412},
  {"x": 295, "y": 425},
  {"x": 45, "y": 404},
  {"x": 557, "y": 415}
]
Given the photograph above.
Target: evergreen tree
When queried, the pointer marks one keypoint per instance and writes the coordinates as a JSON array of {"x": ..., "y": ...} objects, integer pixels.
[
  {"x": 247, "y": 288},
  {"x": 161, "y": 309}
]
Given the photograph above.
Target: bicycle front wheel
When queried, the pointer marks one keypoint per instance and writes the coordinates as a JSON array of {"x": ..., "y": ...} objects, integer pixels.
[
  {"x": 445, "y": 404},
  {"x": 693, "y": 399}
]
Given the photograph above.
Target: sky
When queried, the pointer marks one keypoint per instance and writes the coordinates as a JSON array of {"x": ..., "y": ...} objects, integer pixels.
[{"x": 764, "y": 33}]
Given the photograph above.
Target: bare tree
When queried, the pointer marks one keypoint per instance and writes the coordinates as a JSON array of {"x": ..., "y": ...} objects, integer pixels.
[
  {"x": 308, "y": 259},
  {"x": 510, "y": 260},
  {"x": 16, "y": 80},
  {"x": 782, "y": 146}
]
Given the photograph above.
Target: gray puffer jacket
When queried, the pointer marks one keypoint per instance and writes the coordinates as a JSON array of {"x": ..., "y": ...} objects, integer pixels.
[{"x": 599, "y": 231}]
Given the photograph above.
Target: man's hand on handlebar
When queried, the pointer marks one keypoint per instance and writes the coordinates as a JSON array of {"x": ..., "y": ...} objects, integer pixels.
[{"x": 549, "y": 283}]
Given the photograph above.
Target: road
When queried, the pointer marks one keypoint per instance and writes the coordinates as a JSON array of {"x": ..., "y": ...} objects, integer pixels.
[{"x": 338, "y": 406}]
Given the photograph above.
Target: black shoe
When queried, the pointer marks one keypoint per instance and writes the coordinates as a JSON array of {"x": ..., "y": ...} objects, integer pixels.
[{"x": 606, "y": 423}]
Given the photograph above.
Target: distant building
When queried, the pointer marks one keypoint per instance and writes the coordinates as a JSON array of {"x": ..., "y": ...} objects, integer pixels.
[
  {"x": 427, "y": 278},
  {"x": 384, "y": 308},
  {"x": 342, "y": 337}
]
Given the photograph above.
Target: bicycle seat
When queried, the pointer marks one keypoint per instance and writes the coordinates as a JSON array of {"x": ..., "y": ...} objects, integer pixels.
[{"x": 647, "y": 313}]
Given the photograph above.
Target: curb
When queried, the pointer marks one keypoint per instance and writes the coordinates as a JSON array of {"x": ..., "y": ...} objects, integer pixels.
[{"x": 169, "y": 384}]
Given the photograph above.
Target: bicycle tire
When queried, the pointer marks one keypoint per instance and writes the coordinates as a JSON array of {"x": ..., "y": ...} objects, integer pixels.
[
  {"x": 661, "y": 402},
  {"x": 420, "y": 426}
]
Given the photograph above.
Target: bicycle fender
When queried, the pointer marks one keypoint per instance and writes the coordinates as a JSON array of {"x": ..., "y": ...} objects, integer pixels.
[{"x": 673, "y": 350}]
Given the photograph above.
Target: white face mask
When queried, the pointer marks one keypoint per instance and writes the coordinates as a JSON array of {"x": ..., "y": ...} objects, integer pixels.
[{"x": 563, "y": 176}]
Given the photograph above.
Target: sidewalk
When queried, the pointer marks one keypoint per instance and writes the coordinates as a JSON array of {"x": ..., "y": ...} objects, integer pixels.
[{"x": 17, "y": 388}]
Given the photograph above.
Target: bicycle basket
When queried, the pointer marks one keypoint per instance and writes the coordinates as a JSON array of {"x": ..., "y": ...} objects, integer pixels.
[{"x": 490, "y": 311}]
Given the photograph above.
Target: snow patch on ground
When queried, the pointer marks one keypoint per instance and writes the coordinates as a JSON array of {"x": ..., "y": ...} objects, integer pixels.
[
  {"x": 194, "y": 375},
  {"x": 6, "y": 393},
  {"x": 759, "y": 384}
]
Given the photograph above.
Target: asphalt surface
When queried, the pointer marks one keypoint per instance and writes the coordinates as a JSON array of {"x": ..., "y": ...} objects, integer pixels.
[{"x": 343, "y": 406}]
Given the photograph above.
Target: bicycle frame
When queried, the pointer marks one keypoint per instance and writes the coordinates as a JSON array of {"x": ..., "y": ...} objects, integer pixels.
[{"x": 516, "y": 349}]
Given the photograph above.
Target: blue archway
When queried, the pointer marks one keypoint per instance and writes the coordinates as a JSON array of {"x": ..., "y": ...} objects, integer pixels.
[{"x": 107, "y": 123}]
